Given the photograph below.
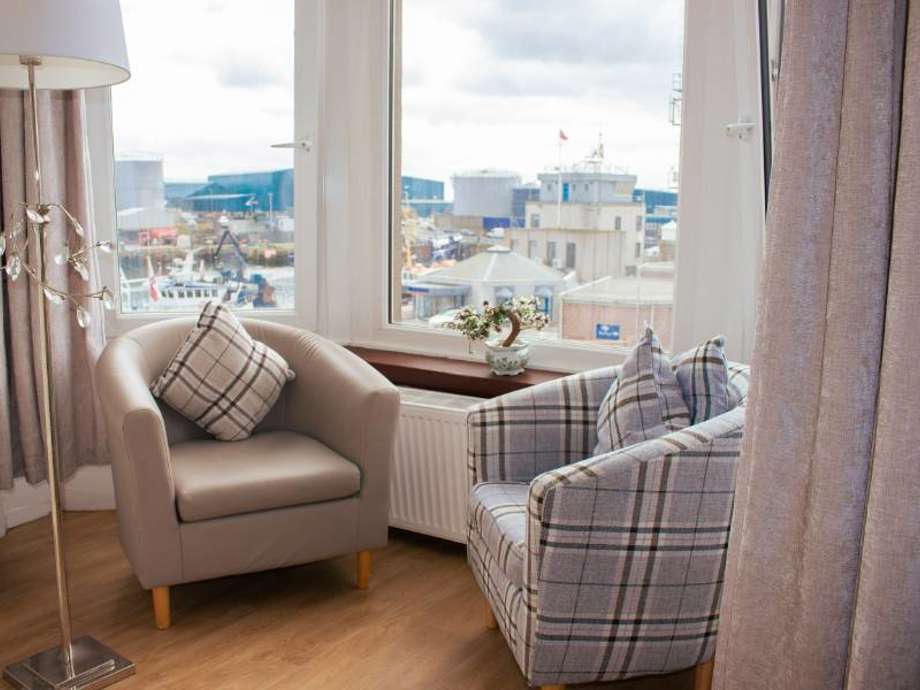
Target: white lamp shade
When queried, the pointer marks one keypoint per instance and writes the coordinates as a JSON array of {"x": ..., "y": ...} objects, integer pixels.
[{"x": 81, "y": 43}]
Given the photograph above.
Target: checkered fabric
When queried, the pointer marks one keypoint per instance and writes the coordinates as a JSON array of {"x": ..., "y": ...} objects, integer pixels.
[
  {"x": 739, "y": 380},
  {"x": 517, "y": 436},
  {"x": 624, "y": 552},
  {"x": 702, "y": 373},
  {"x": 645, "y": 401},
  {"x": 222, "y": 379},
  {"x": 498, "y": 512}
]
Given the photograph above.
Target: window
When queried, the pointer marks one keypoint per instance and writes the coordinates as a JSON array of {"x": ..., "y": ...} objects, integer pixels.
[
  {"x": 595, "y": 112},
  {"x": 204, "y": 203},
  {"x": 570, "y": 255},
  {"x": 502, "y": 295},
  {"x": 597, "y": 140}
]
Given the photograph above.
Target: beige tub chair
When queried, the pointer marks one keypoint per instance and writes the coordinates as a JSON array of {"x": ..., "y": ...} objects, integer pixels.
[{"x": 311, "y": 483}]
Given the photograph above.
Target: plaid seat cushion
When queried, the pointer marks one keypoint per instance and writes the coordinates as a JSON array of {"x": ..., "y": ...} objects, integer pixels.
[
  {"x": 222, "y": 379},
  {"x": 644, "y": 402},
  {"x": 702, "y": 373},
  {"x": 498, "y": 514},
  {"x": 739, "y": 380}
]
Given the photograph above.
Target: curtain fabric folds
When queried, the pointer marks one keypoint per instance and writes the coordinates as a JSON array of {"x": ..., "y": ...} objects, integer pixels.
[
  {"x": 823, "y": 576},
  {"x": 80, "y": 439}
]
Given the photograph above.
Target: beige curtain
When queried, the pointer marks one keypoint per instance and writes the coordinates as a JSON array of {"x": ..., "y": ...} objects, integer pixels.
[
  {"x": 823, "y": 576},
  {"x": 65, "y": 170}
]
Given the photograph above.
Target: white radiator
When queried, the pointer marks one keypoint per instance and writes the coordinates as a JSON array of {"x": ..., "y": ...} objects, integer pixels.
[{"x": 428, "y": 480}]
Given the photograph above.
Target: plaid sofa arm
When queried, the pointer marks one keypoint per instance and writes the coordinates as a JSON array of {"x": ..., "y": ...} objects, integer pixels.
[
  {"x": 517, "y": 436},
  {"x": 626, "y": 556}
]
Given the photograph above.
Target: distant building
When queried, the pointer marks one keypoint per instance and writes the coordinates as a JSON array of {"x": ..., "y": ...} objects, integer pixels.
[
  {"x": 520, "y": 195},
  {"x": 667, "y": 242},
  {"x": 425, "y": 197},
  {"x": 421, "y": 188},
  {"x": 139, "y": 182},
  {"x": 660, "y": 209},
  {"x": 147, "y": 225},
  {"x": 426, "y": 208},
  {"x": 486, "y": 193},
  {"x": 597, "y": 229},
  {"x": 616, "y": 310},
  {"x": 176, "y": 191},
  {"x": 584, "y": 185},
  {"x": 495, "y": 275}
]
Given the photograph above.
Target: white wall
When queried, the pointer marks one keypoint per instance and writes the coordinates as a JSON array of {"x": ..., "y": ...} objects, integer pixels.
[{"x": 90, "y": 488}]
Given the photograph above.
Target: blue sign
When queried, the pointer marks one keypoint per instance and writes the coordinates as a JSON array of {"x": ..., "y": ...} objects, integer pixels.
[{"x": 607, "y": 331}]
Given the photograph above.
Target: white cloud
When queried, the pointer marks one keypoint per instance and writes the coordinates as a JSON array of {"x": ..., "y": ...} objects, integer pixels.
[
  {"x": 211, "y": 86},
  {"x": 486, "y": 83},
  {"x": 489, "y": 83}
]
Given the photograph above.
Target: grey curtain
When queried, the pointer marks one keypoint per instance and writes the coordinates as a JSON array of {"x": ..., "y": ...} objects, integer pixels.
[
  {"x": 65, "y": 170},
  {"x": 823, "y": 575}
]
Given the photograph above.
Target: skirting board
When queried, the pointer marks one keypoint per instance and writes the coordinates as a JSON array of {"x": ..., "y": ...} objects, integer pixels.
[{"x": 90, "y": 488}]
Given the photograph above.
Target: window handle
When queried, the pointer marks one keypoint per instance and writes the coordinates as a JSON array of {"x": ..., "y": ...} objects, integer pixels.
[
  {"x": 302, "y": 144},
  {"x": 741, "y": 130}
]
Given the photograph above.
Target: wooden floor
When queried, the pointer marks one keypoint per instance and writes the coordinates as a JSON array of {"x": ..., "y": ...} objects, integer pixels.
[{"x": 419, "y": 625}]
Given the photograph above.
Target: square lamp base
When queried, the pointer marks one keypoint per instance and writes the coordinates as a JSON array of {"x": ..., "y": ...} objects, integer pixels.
[{"x": 94, "y": 666}]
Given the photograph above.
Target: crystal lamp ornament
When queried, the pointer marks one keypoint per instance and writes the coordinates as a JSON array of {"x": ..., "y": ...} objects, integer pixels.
[{"x": 29, "y": 223}]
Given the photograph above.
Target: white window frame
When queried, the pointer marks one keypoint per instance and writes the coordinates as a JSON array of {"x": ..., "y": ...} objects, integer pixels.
[
  {"x": 309, "y": 48},
  {"x": 357, "y": 167},
  {"x": 344, "y": 191}
]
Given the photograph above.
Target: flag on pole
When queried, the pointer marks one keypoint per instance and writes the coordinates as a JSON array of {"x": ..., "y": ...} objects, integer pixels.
[{"x": 562, "y": 136}]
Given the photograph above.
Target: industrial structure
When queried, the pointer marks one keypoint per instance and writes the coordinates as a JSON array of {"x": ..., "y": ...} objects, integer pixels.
[{"x": 139, "y": 182}]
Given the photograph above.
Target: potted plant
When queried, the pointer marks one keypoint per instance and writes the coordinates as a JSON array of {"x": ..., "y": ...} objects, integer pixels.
[{"x": 506, "y": 356}]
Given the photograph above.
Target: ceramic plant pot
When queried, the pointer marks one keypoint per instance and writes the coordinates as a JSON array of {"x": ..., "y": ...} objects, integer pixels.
[{"x": 507, "y": 361}]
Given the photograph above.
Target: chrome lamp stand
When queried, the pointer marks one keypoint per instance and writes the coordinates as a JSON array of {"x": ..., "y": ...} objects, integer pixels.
[{"x": 82, "y": 663}]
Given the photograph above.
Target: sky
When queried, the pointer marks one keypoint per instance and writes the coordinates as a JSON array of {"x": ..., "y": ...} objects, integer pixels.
[{"x": 486, "y": 84}]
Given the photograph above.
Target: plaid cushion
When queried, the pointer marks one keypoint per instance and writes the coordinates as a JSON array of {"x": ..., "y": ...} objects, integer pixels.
[
  {"x": 517, "y": 436},
  {"x": 498, "y": 513},
  {"x": 644, "y": 402},
  {"x": 221, "y": 378},
  {"x": 739, "y": 380},
  {"x": 703, "y": 377}
]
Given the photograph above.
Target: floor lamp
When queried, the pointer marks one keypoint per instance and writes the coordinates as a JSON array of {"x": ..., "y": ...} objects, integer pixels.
[{"x": 57, "y": 44}]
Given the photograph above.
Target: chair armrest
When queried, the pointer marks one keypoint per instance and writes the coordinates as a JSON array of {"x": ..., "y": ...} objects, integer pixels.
[
  {"x": 341, "y": 400},
  {"x": 144, "y": 488},
  {"x": 517, "y": 436},
  {"x": 628, "y": 548}
]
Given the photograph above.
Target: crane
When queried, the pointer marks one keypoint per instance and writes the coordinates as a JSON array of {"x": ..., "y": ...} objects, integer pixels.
[{"x": 240, "y": 274}]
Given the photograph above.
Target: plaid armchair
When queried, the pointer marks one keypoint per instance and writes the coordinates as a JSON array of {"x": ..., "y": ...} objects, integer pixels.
[{"x": 607, "y": 567}]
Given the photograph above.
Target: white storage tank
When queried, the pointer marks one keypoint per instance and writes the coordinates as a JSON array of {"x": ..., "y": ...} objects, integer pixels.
[
  {"x": 485, "y": 193},
  {"x": 139, "y": 181}
]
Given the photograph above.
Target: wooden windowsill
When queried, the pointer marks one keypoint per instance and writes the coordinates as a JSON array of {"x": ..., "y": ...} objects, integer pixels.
[{"x": 448, "y": 375}]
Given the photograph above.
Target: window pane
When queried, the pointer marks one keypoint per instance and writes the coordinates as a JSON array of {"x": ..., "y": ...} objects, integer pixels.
[
  {"x": 545, "y": 137},
  {"x": 205, "y": 205}
]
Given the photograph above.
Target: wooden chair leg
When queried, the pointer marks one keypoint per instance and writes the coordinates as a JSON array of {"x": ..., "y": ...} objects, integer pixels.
[
  {"x": 491, "y": 623},
  {"x": 364, "y": 569},
  {"x": 161, "y": 613},
  {"x": 702, "y": 675}
]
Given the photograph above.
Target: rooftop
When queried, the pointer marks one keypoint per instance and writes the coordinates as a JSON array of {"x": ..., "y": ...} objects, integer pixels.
[
  {"x": 487, "y": 172},
  {"x": 654, "y": 287},
  {"x": 497, "y": 264}
]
